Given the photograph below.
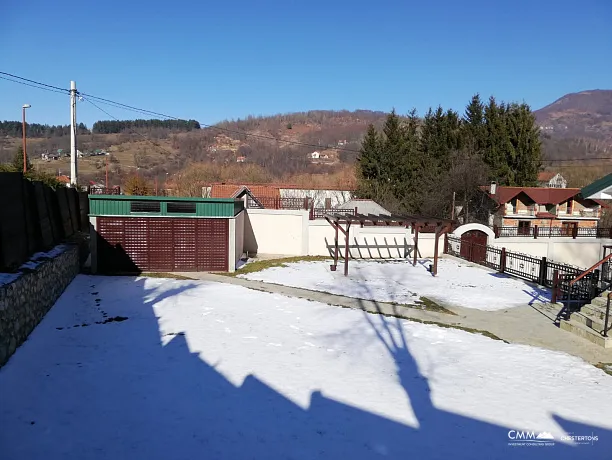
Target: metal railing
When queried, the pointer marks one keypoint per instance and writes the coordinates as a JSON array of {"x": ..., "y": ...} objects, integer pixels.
[
  {"x": 552, "y": 232},
  {"x": 279, "y": 203},
  {"x": 319, "y": 213}
]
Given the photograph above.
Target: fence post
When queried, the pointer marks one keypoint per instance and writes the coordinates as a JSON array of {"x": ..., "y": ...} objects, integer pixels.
[
  {"x": 502, "y": 262},
  {"x": 446, "y": 243},
  {"x": 496, "y": 231},
  {"x": 610, "y": 232},
  {"x": 574, "y": 231},
  {"x": 543, "y": 271},
  {"x": 306, "y": 203},
  {"x": 594, "y": 283},
  {"x": 535, "y": 232},
  {"x": 555, "y": 286}
]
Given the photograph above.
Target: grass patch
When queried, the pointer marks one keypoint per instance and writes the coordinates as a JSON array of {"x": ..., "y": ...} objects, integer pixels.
[
  {"x": 264, "y": 264},
  {"x": 430, "y": 305},
  {"x": 471, "y": 330},
  {"x": 165, "y": 275},
  {"x": 606, "y": 367}
]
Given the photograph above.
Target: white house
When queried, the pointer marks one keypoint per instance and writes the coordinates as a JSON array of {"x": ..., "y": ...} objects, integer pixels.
[
  {"x": 315, "y": 155},
  {"x": 551, "y": 180}
]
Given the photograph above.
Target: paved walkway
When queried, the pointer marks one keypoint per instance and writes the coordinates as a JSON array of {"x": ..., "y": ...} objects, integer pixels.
[{"x": 528, "y": 325}]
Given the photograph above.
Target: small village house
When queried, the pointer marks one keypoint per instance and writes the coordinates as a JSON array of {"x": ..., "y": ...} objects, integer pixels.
[
  {"x": 527, "y": 207},
  {"x": 551, "y": 179}
]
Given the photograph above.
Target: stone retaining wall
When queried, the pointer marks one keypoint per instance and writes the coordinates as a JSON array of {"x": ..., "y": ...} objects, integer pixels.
[{"x": 25, "y": 301}]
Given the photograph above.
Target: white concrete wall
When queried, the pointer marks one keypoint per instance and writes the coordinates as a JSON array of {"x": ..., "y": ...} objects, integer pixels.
[
  {"x": 239, "y": 243},
  {"x": 582, "y": 252},
  {"x": 278, "y": 231},
  {"x": 290, "y": 233}
]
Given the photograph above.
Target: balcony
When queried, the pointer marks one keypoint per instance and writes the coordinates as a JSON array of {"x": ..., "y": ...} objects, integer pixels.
[
  {"x": 585, "y": 213},
  {"x": 523, "y": 211}
]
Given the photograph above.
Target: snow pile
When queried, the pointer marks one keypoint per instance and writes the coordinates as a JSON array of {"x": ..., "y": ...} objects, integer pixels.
[
  {"x": 457, "y": 284},
  {"x": 207, "y": 370},
  {"x": 33, "y": 263}
]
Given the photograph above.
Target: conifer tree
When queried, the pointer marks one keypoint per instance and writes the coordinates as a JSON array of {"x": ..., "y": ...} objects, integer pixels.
[{"x": 18, "y": 161}]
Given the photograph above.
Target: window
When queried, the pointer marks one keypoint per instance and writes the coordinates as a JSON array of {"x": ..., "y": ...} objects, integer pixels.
[
  {"x": 567, "y": 228},
  {"x": 524, "y": 227},
  {"x": 178, "y": 207},
  {"x": 145, "y": 206}
]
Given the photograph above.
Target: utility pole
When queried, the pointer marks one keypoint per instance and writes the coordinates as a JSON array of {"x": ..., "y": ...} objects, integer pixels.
[
  {"x": 73, "y": 137},
  {"x": 23, "y": 128},
  {"x": 106, "y": 173},
  {"x": 453, "y": 208}
]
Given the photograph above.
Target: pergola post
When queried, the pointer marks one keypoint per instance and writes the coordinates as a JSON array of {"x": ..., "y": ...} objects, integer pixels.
[
  {"x": 336, "y": 247},
  {"x": 416, "y": 243},
  {"x": 438, "y": 234},
  {"x": 346, "y": 248}
]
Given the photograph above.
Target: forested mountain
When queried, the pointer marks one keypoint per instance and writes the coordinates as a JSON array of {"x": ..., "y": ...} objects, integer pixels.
[
  {"x": 15, "y": 129},
  {"x": 119, "y": 126},
  {"x": 578, "y": 125}
]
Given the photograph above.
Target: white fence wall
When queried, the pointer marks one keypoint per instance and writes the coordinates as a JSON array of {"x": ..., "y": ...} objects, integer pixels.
[
  {"x": 291, "y": 233},
  {"x": 582, "y": 252}
]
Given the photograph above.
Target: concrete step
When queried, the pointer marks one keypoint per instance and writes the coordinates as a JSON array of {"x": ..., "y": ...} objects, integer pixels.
[
  {"x": 594, "y": 322},
  {"x": 600, "y": 301},
  {"x": 585, "y": 332},
  {"x": 597, "y": 311}
]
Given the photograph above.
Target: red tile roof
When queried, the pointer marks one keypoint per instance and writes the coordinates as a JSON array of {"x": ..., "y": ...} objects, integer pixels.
[
  {"x": 348, "y": 188},
  {"x": 539, "y": 195},
  {"x": 545, "y": 176},
  {"x": 231, "y": 190},
  {"x": 63, "y": 179}
]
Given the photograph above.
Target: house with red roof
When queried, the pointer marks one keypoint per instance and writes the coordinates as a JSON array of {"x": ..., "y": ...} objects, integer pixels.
[
  {"x": 551, "y": 179},
  {"x": 526, "y": 207}
]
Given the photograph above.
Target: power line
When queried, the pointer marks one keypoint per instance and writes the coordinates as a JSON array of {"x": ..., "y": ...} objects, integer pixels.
[
  {"x": 102, "y": 100},
  {"x": 135, "y": 132},
  {"x": 57, "y": 88},
  {"x": 159, "y": 114},
  {"x": 561, "y": 160},
  {"x": 32, "y": 85}
]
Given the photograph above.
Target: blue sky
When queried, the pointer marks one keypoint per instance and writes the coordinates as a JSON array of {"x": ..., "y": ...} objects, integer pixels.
[{"x": 216, "y": 60}]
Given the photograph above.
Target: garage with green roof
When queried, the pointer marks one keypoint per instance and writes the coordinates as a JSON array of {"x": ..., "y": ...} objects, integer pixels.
[{"x": 149, "y": 233}]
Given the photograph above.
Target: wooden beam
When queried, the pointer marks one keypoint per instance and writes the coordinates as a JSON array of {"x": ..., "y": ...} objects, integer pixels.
[
  {"x": 416, "y": 244},
  {"x": 336, "y": 248},
  {"x": 346, "y": 248}
]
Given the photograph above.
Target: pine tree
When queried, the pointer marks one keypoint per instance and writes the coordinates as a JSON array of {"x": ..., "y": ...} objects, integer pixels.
[
  {"x": 497, "y": 149},
  {"x": 18, "y": 161},
  {"x": 369, "y": 163},
  {"x": 524, "y": 137},
  {"x": 473, "y": 126}
]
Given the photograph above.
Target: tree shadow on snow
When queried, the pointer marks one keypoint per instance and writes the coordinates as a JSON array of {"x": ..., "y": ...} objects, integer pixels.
[{"x": 136, "y": 398}]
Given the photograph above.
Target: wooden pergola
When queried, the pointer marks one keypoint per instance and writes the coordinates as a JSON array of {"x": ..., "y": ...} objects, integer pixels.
[{"x": 342, "y": 223}]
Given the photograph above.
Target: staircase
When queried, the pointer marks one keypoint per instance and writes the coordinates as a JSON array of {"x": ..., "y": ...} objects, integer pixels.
[{"x": 590, "y": 320}]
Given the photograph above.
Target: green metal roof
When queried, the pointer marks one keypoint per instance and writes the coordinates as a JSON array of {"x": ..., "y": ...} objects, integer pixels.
[
  {"x": 121, "y": 205},
  {"x": 597, "y": 186}
]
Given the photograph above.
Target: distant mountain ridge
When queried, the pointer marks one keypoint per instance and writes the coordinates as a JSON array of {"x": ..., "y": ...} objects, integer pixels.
[{"x": 584, "y": 117}]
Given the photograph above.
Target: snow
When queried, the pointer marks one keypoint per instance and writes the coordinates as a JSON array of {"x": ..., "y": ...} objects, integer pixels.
[
  {"x": 33, "y": 263},
  {"x": 457, "y": 284},
  {"x": 135, "y": 368}
]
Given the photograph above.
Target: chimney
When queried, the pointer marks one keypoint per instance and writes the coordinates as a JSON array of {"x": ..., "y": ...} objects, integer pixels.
[{"x": 493, "y": 188}]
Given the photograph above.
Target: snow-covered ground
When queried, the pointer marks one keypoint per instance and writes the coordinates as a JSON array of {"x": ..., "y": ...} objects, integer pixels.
[
  {"x": 457, "y": 283},
  {"x": 134, "y": 368}
]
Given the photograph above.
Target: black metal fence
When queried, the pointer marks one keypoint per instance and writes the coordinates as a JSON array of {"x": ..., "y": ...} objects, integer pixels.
[
  {"x": 279, "y": 203},
  {"x": 319, "y": 213},
  {"x": 35, "y": 217},
  {"x": 537, "y": 231},
  {"x": 535, "y": 269}
]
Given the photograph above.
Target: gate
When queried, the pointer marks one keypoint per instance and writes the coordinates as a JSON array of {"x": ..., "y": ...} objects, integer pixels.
[{"x": 474, "y": 246}]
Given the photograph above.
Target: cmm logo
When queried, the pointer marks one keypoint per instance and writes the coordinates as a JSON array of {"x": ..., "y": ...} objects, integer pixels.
[{"x": 530, "y": 438}]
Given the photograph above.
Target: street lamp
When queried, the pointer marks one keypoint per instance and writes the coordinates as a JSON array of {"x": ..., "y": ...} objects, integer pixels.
[{"x": 23, "y": 128}]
